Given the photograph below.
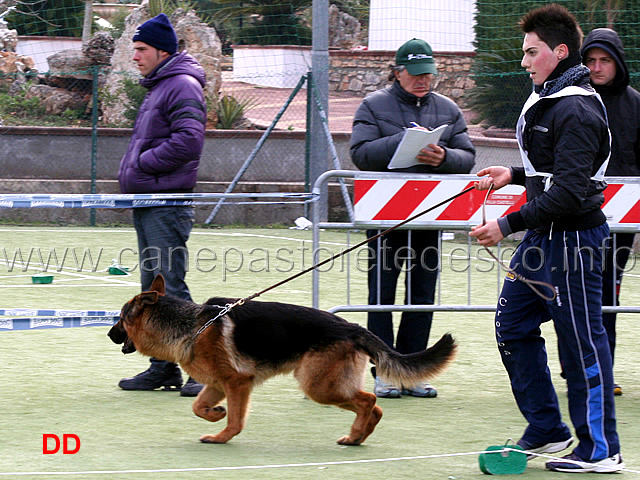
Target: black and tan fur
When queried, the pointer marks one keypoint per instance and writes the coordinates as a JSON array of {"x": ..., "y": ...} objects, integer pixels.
[{"x": 257, "y": 340}]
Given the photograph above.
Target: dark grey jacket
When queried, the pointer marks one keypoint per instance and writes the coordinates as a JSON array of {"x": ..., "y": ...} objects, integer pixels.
[
  {"x": 623, "y": 106},
  {"x": 382, "y": 117}
]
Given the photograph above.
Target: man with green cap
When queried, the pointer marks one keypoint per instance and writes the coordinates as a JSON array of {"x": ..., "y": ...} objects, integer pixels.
[{"x": 378, "y": 127}]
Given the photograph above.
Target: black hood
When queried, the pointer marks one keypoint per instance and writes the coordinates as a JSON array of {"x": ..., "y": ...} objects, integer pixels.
[{"x": 608, "y": 40}]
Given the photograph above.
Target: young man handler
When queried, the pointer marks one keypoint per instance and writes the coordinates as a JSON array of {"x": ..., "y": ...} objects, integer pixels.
[{"x": 564, "y": 142}]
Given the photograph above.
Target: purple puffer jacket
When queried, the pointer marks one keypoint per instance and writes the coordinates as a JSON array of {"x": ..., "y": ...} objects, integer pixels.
[{"x": 168, "y": 136}]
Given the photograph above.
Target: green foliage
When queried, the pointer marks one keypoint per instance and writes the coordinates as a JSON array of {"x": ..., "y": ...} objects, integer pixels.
[
  {"x": 502, "y": 84},
  {"x": 156, "y": 7},
  {"x": 133, "y": 94},
  {"x": 18, "y": 106},
  {"x": 117, "y": 22},
  {"x": 275, "y": 30},
  {"x": 356, "y": 8},
  {"x": 264, "y": 22},
  {"x": 18, "y": 110},
  {"x": 74, "y": 115},
  {"x": 62, "y": 18},
  {"x": 231, "y": 110}
]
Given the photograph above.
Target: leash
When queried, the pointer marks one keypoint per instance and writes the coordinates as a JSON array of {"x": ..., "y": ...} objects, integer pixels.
[
  {"x": 224, "y": 310},
  {"x": 533, "y": 284}
]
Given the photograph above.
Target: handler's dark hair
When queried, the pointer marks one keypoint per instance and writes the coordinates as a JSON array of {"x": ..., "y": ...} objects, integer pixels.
[{"x": 554, "y": 24}]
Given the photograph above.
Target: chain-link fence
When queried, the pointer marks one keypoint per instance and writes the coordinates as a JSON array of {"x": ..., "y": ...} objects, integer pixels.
[{"x": 67, "y": 64}]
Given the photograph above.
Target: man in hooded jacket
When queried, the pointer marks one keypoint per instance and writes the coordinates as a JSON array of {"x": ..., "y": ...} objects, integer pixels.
[
  {"x": 163, "y": 157},
  {"x": 603, "y": 53}
]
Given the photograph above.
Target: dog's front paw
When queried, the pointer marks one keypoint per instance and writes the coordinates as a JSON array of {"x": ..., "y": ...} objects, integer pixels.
[
  {"x": 347, "y": 440},
  {"x": 213, "y": 439}
]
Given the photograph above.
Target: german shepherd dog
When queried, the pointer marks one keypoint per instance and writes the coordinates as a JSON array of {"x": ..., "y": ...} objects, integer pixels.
[{"x": 257, "y": 340}]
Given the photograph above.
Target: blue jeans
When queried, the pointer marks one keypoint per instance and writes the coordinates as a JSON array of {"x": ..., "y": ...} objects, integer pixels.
[{"x": 162, "y": 245}]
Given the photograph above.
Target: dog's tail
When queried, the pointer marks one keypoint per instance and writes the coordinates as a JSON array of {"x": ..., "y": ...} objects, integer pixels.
[{"x": 412, "y": 368}]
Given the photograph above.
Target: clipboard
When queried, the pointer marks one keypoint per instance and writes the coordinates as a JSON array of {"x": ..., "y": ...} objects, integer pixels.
[{"x": 414, "y": 140}]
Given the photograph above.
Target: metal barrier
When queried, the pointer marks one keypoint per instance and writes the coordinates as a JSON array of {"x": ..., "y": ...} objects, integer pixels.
[
  {"x": 30, "y": 319},
  {"x": 382, "y": 200}
]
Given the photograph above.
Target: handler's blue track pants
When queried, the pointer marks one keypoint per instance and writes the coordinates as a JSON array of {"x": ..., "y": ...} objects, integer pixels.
[{"x": 572, "y": 263}]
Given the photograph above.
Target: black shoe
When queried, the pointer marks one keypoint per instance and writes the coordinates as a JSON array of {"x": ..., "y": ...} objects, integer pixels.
[
  {"x": 159, "y": 374},
  {"x": 191, "y": 388}
]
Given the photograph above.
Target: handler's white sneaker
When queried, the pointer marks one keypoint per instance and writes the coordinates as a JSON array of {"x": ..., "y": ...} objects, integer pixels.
[{"x": 573, "y": 463}]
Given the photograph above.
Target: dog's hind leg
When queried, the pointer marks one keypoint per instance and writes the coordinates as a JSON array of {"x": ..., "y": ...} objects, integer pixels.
[
  {"x": 335, "y": 377},
  {"x": 206, "y": 404},
  {"x": 368, "y": 414},
  {"x": 238, "y": 392}
]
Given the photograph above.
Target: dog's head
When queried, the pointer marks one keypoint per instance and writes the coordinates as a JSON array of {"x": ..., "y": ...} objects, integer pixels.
[{"x": 131, "y": 315}]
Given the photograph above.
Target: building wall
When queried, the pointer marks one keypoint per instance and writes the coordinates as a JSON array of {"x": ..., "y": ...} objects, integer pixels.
[
  {"x": 40, "y": 48},
  {"x": 58, "y": 160},
  {"x": 447, "y": 25},
  {"x": 360, "y": 72}
]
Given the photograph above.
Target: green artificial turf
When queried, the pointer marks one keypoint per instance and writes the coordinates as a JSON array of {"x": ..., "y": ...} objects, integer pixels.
[{"x": 65, "y": 381}]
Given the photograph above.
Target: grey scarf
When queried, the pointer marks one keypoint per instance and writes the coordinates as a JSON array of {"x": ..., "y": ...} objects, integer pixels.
[{"x": 576, "y": 75}]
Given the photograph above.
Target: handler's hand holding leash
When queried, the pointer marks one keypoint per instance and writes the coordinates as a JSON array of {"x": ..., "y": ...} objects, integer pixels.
[{"x": 489, "y": 233}]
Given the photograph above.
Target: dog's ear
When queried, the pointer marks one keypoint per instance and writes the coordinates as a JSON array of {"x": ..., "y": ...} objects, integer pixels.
[
  {"x": 158, "y": 284},
  {"x": 142, "y": 299},
  {"x": 148, "y": 298},
  {"x": 134, "y": 307}
]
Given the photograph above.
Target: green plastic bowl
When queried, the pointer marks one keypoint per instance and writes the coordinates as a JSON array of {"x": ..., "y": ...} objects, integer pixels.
[
  {"x": 496, "y": 461},
  {"x": 42, "y": 279},
  {"x": 118, "y": 270}
]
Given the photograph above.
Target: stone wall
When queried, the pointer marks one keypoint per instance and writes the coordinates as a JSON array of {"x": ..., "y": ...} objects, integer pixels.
[
  {"x": 58, "y": 160},
  {"x": 360, "y": 72}
]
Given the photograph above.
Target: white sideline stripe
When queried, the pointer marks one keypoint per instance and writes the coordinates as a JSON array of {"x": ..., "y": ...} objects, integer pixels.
[
  {"x": 284, "y": 465},
  {"x": 193, "y": 232},
  {"x": 244, "y": 467}
]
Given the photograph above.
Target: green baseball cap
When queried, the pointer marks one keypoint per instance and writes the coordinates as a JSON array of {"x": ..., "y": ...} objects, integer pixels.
[{"x": 416, "y": 55}]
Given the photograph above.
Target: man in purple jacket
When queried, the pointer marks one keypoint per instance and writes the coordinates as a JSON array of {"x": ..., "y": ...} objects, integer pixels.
[{"x": 163, "y": 157}]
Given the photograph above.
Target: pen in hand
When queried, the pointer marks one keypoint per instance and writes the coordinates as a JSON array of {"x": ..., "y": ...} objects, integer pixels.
[{"x": 415, "y": 125}]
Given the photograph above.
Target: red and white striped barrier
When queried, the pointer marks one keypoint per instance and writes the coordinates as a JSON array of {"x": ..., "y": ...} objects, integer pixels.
[{"x": 383, "y": 202}]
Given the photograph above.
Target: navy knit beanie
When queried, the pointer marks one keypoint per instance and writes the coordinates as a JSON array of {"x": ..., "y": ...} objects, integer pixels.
[{"x": 158, "y": 33}]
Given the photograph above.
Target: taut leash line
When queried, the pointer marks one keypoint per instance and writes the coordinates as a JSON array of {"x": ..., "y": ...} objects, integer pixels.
[
  {"x": 350, "y": 249},
  {"x": 224, "y": 310}
]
